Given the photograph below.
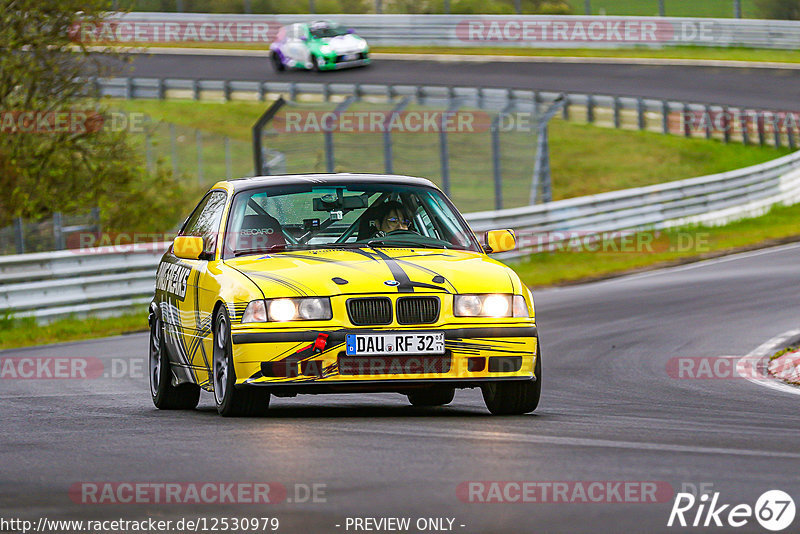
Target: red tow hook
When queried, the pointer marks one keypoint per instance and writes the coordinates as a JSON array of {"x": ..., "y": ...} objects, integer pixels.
[{"x": 319, "y": 344}]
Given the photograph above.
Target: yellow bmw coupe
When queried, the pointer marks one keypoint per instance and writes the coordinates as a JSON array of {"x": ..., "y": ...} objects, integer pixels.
[{"x": 335, "y": 283}]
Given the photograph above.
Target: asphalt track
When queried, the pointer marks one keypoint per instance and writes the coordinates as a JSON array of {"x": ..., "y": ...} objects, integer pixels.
[
  {"x": 763, "y": 88},
  {"x": 610, "y": 411}
]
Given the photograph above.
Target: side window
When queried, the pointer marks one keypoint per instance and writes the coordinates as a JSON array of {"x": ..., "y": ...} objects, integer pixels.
[{"x": 204, "y": 221}]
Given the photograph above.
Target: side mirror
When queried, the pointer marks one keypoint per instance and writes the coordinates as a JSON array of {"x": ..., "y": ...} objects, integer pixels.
[
  {"x": 350, "y": 30},
  {"x": 499, "y": 241},
  {"x": 303, "y": 38},
  {"x": 187, "y": 247}
]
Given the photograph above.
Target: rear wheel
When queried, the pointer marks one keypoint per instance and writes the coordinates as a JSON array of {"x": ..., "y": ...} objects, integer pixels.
[
  {"x": 277, "y": 63},
  {"x": 166, "y": 396},
  {"x": 436, "y": 396},
  {"x": 231, "y": 401},
  {"x": 514, "y": 398}
]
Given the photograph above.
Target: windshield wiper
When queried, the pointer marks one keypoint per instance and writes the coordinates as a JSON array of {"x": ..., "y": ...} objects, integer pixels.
[
  {"x": 400, "y": 243},
  {"x": 260, "y": 250}
]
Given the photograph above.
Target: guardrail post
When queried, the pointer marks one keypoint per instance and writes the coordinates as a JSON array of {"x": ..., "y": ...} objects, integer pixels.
[
  {"x": 292, "y": 91},
  {"x": 198, "y": 136},
  {"x": 537, "y": 100},
  {"x": 617, "y": 118},
  {"x": 789, "y": 122},
  {"x": 357, "y": 92},
  {"x": 708, "y": 121},
  {"x": 744, "y": 123},
  {"x": 665, "y": 116},
  {"x": 128, "y": 88},
  {"x": 565, "y": 109},
  {"x": 726, "y": 125},
  {"x": 58, "y": 234},
  {"x": 162, "y": 89},
  {"x": 737, "y": 9},
  {"x": 479, "y": 96},
  {"x": 262, "y": 93},
  {"x": 776, "y": 130},
  {"x": 226, "y": 90},
  {"x": 760, "y": 127},
  {"x": 19, "y": 235},
  {"x": 196, "y": 89},
  {"x": 420, "y": 92},
  {"x": 687, "y": 125},
  {"x": 590, "y": 108},
  {"x": 95, "y": 213},
  {"x": 640, "y": 113},
  {"x": 326, "y": 92}
]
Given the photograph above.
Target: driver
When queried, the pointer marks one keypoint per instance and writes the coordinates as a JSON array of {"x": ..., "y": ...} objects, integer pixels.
[{"x": 392, "y": 217}]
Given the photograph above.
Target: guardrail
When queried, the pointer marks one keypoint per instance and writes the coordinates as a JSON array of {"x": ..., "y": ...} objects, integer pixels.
[
  {"x": 105, "y": 281},
  {"x": 541, "y": 31},
  {"x": 688, "y": 119}
]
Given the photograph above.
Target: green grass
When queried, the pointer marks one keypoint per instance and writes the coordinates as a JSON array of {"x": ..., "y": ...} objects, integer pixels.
[
  {"x": 670, "y": 247},
  {"x": 585, "y": 159},
  {"x": 672, "y": 8},
  {"x": 24, "y": 332}
]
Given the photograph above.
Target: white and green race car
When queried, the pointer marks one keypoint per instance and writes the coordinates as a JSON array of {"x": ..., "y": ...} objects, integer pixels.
[{"x": 318, "y": 46}]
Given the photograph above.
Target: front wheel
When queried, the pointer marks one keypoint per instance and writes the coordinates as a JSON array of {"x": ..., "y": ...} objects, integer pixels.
[
  {"x": 514, "y": 398},
  {"x": 166, "y": 396},
  {"x": 231, "y": 401},
  {"x": 317, "y": 63},
  {"x": 277, "y": 63},
  {"x": 437, "y": 396}
]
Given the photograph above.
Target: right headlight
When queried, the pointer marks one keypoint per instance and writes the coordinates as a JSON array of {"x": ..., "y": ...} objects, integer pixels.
[
  {"x": 288, "y": 309},
  {"x": 490, "y": 305}
]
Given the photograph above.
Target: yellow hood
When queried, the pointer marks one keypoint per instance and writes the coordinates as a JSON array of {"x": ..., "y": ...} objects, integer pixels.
[{"x": 328, "y": 272}]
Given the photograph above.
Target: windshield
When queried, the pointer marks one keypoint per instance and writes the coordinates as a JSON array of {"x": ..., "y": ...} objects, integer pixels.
[
  {"x": 272, "y": 219},
  {"x": 321, "y": 31}
]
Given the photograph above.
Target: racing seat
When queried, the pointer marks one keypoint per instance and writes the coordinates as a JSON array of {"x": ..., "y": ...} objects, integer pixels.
[{"x": 260, "y": 231}]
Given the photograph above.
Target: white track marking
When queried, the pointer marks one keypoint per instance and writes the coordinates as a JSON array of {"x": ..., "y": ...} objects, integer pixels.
[{"x": 757, "y": 359}]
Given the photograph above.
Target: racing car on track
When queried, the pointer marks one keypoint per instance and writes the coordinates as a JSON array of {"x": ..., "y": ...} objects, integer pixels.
[
  {"x": 318, "y": 46},
  {"x": 335, "y": 283}
]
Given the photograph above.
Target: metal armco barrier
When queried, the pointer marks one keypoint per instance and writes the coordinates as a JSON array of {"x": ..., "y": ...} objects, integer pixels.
[
  {"x": 55, "y": 284},
  {"x": 688, "y": 119},
  {"x": 97, "y": 281},
  {"x": 564, "y": 31}
]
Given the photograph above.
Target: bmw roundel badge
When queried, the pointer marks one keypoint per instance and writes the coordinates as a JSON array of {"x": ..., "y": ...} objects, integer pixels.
[{"x": 392, "y": 283}]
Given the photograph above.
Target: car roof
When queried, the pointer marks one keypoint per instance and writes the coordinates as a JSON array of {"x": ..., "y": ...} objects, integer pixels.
[{"x": 339, "y": 178}]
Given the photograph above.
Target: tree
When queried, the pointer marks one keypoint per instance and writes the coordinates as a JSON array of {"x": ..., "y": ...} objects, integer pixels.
[
  {"x": 779, "y": 9},
  {"x": 47, "y": 165}
]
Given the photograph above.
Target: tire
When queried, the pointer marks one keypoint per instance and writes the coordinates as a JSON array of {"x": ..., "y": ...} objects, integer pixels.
[
  {"x": 315, "y": 63},
  {"x": 277, "y": 64},
  {"x": 435, "y": 396},
  {"x": 166, "y": 396},
  {"x": 514, "y": 398},
  {"x": 230, "y": 401}
]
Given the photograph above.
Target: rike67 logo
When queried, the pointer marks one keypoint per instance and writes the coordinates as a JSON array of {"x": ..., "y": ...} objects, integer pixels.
[{"x": 774, "y": 510}]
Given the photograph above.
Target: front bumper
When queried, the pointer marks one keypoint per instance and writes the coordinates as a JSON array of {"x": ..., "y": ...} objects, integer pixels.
[
  {"x": 337, "y": 64},
  {"x": 473, "y": 354}
]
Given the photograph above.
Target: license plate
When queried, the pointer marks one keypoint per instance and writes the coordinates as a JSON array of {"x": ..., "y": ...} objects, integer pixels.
[
  {"x": 395, "y": 343},
  {"x": 350, "y": 57}
]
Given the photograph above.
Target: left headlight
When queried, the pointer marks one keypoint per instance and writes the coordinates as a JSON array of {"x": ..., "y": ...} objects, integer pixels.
[
  {"x": 280, "y": 310},
  {"x": 326, "y": 49},
  {"x": 490, "y": 305}
]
